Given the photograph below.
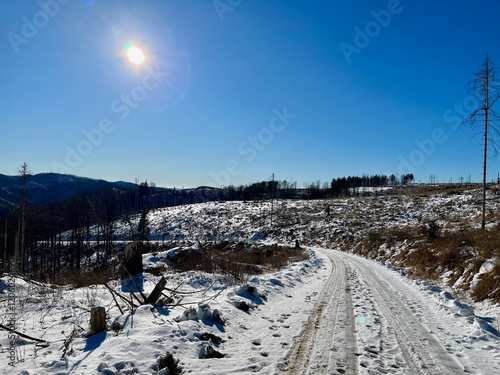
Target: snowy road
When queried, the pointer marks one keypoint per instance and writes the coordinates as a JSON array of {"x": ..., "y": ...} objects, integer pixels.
[
  {"x": 370, "y": 320},
  {"x": 328, "y": 342}
]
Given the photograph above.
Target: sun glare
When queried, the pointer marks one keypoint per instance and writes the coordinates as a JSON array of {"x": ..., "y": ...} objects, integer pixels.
[{"x": 135, "y": 55}]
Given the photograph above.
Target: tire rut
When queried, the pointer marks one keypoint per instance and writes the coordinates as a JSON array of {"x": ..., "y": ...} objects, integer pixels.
[
  {"x": 327, "y": 344},
  {"x": 423, "y": 353}
]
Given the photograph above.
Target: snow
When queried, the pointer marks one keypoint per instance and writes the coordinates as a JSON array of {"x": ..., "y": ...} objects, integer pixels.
[
  {"x": 334, "y": 313},
  {"x": 256, "y": 340},
  {"x": 486, "y": 267},
  {"x": 366, "y": 318}
]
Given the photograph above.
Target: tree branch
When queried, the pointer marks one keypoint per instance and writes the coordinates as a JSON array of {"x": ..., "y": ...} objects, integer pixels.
[{"x": 22, "y": 334}]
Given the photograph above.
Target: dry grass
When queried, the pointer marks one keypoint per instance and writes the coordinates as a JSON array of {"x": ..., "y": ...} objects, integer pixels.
[
  {"x": 462, "y": 252},
  {"x": 83, "y": 278},
  {"x": 238, "y": 263},
  {"x": 429, "y": 252},
  {"x": 429, "y": 190},
  {"x": 370, "y": 245},
  {"x": 488, "y": 285}
]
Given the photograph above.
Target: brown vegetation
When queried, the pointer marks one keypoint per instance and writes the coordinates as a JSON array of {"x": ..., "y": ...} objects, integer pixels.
[
  {"x": 488, "y": 285},
  {"x": 83, "y": 278},
  {"x": 238, "y": 263},
  {"x": 428, "y": 252}
]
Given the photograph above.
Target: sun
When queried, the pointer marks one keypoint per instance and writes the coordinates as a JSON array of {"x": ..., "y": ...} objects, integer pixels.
[{"x": 135, "y": 55}]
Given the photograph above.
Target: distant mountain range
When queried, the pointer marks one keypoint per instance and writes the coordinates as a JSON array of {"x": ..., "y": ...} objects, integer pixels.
[{"x": 45, "y": 188}]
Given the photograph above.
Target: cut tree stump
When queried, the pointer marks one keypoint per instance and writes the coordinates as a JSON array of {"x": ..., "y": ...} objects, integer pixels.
[
  {"x": 132, "y": 259},
  {"x": 97, "y": 320}
]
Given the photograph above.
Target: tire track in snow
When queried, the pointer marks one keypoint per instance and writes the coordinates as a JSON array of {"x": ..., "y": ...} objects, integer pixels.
[
  {"x": 327, "y": 344},
  {"x": 422, "y": 352}
]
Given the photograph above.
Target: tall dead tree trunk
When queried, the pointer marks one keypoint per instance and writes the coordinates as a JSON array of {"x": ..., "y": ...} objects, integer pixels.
[
  {"x": 4, "y": 255},
  {"x": 132, "y": 260},
  {"x": 486, "y": 90},
  {"x": 24, "y": 174}
]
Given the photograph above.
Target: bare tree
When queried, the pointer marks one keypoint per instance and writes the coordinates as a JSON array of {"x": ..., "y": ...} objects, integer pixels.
[
  {"x": 24, "y": 174},
  {"x": 486, "y": 90}
]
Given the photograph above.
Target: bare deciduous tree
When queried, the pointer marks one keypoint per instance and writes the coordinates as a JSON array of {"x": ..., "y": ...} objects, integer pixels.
[{"x": 486, "y": 89}]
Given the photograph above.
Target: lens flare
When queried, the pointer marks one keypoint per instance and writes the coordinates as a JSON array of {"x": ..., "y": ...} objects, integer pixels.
[{"x": 135, "y": 54}]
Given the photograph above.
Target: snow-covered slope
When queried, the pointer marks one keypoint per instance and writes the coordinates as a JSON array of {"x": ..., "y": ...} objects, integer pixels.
[
  {"x": 334, "y": 313},
  {"x": 254, "y": 341}
]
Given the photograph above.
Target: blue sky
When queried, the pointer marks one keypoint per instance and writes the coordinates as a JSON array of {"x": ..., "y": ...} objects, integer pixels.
[{"x": 234, "y": 90}]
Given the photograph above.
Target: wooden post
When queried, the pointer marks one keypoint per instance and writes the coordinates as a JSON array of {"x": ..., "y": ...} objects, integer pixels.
[{"x": 97, "y": 320}]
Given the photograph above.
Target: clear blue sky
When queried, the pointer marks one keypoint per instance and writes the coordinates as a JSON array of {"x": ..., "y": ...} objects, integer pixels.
[{"x": 232, "y": 91}]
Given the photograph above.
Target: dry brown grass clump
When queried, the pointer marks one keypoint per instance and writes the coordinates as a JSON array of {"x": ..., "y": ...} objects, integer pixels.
[
  {"x": 429, "y": 252},
  {"x": 429, "y": 190},
  {"x": 370, "y": 245},
  {"x": 462, "y": 252},
  {"x": 488, "y": 285},
  {"x": 238, "y": 263},
  {"x": 83, "y": 278}
]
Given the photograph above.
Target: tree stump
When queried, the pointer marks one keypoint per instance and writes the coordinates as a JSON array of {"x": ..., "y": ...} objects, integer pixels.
[
  {"x": 97, "y": 320},
  {"x": 132, "y": 260}
]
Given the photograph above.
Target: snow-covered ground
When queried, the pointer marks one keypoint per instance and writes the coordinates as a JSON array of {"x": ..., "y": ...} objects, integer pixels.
[
  {"x": 254, "y": 341},
  {"x": 334, "y": 313}
]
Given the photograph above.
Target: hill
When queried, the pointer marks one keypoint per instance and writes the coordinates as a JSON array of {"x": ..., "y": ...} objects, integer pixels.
[{"x": 45, "y": 188}]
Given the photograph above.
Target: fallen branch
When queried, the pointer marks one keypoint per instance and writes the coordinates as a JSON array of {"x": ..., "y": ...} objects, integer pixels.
[
  {"x": 137, "y": 286},
  {"x": 114, "y": 298},
  {"x": 69, "y": 340},
  {"x": 22, "y": 334},
  {"x": 130, "y": 302},
  {"x": 157, "y": 291}
]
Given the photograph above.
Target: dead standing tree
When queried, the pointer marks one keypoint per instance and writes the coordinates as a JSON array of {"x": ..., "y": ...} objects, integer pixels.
[
  {"x": 486, "y": 90},
  {"x": 24, "y": 175}
]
